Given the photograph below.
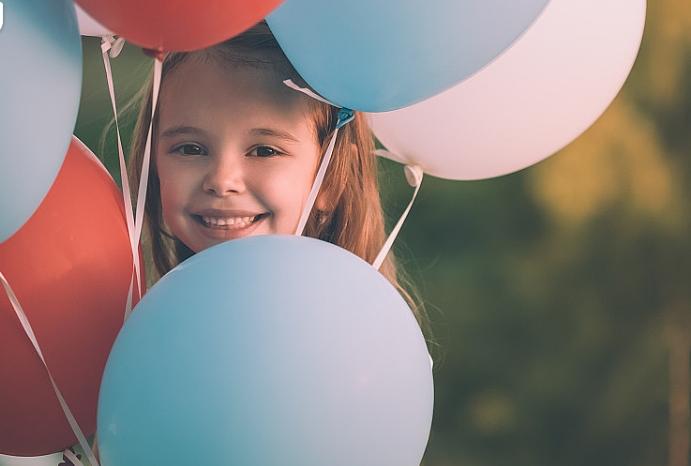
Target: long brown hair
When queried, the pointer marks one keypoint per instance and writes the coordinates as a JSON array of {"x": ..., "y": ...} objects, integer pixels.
[{"x": 348, "y": 211}]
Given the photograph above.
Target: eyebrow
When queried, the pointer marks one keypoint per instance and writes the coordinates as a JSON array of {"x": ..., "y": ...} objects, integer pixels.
[
  {"x": 274, "y": 133},
  {"x": 181, "y": 129},
  {"x": 268, "y": 132}
]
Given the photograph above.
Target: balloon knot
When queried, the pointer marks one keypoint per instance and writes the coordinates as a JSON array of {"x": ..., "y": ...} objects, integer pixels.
[
  {"x": 67, "y": 458},
  {"x": 345, "y": 115},
  {"x": 158, "y": 54}
]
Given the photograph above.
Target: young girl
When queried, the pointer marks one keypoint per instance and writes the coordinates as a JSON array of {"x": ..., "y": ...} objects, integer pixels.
[{"x": 235, "y": 152}]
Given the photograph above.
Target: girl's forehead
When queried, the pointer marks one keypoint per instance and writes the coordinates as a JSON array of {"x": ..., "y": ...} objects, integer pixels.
[
  {"x": 260, "y": 77},
  {"x": 267, "y": 63},
  {"x": 200, "y": 89}
]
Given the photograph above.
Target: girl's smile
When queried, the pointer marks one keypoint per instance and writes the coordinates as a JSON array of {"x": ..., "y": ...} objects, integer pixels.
[
  {"x": 228, "y": 220},
  {"x": 223, "y": 225},
  {"x": 236, "y": 153}
]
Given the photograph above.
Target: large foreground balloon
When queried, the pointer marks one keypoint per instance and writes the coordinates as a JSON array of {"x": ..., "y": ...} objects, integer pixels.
[
  {"x": 268, "y": 350},
  {"x": 536, "y": 98},
  {"x": 177, "y": 25},
  {"x": 40, "y": 85},
  {"x": 70, "y": 266},
  {"x": 382, "y": 55}
]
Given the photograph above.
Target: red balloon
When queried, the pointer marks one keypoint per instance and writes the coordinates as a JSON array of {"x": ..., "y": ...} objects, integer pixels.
[
  {"x": 180, "y": 25},
  {"x": 70, "y": 266}
]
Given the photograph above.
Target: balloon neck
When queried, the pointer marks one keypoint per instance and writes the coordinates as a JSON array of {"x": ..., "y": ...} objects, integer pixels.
[{"x": 345, "y": 115}]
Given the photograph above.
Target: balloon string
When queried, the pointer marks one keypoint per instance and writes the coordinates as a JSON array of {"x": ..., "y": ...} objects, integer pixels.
[
  {"x": 135, "y": 219},
  {"x": 107, "y": 45},
  {"x": 309, "y": 92},
  {"x": 345, "y": 115},
  {"x": 413, "y": 174},
  {"x": 19, "y": 311},
  {"x": 146, "y": 162},
  {"x": 316, "y": 186}
]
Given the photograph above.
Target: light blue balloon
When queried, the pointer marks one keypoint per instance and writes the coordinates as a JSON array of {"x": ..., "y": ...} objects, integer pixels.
[
  {"x": 40, "y": 85},
  {"x": 268, "y": 350},
  {"x": 375, "y": 56}
]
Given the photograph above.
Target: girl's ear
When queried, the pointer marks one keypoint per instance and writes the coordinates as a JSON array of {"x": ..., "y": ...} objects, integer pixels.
[
  {"x": 320, "y": 203},
  {"x": 335, "y": 180}
]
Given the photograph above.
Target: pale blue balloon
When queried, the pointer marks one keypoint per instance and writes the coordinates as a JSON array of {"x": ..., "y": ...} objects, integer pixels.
[
  {"x": 268, "y": 350},
  {"x": 40, "y": 85},
  {"x": 375, "y": 55}
]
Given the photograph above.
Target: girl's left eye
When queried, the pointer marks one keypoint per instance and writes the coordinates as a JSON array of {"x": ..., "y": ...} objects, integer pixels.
[{"x": 264, "y": 151}]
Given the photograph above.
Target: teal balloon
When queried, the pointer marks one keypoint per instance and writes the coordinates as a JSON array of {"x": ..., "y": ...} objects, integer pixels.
[
  {"x": 268, "y": 350},
  {"x": 375, "y": 56},
  {"x": 40, "y": 85}
]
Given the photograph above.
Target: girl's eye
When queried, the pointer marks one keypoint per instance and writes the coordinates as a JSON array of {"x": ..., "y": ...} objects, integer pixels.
[
  {"x": 264, "y": 151},
  {"x": 190, "y": 149}
]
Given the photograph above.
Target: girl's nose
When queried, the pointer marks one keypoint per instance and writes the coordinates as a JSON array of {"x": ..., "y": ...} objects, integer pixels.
[{"x": 224, "y": 177}]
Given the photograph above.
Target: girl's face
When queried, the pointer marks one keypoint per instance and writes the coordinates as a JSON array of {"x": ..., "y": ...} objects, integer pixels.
[{"x": 236, "y": 153}]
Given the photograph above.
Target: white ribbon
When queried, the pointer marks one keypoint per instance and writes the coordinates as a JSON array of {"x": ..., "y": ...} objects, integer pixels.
[
  {"x": 107, "y": 45},
  {"x": 413, "y": 174},
  {"x": 110, "y": 48},
  {"x": 344, "y": 116},
  {"x": 309, "y": 92},
  {"x": 318, "y": 180},
  {"x": 146, "y": 162},
  {"x": 63, "y": 404}
]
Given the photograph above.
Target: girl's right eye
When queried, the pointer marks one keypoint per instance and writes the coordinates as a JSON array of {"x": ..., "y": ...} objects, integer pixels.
[{"x": 189, "y": 149}]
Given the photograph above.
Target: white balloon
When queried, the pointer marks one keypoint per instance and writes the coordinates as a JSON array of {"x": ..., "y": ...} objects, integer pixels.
[
  {"x": 89, "y": 26},
  {"x": 534, "y": 99}
]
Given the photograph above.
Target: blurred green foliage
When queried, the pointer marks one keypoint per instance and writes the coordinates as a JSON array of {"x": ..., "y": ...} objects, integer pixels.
[{"x": 553, "y": 291}]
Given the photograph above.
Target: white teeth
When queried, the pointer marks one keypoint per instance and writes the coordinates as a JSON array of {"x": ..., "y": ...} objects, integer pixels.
[{"x": 229, "y": 222}]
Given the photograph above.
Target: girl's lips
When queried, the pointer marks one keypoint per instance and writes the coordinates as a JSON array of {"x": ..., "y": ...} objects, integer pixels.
[{"x": 223, "y": 225}]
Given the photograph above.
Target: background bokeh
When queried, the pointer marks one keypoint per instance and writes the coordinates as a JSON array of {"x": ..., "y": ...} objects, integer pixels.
[{"x": 559, "y": 295}]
